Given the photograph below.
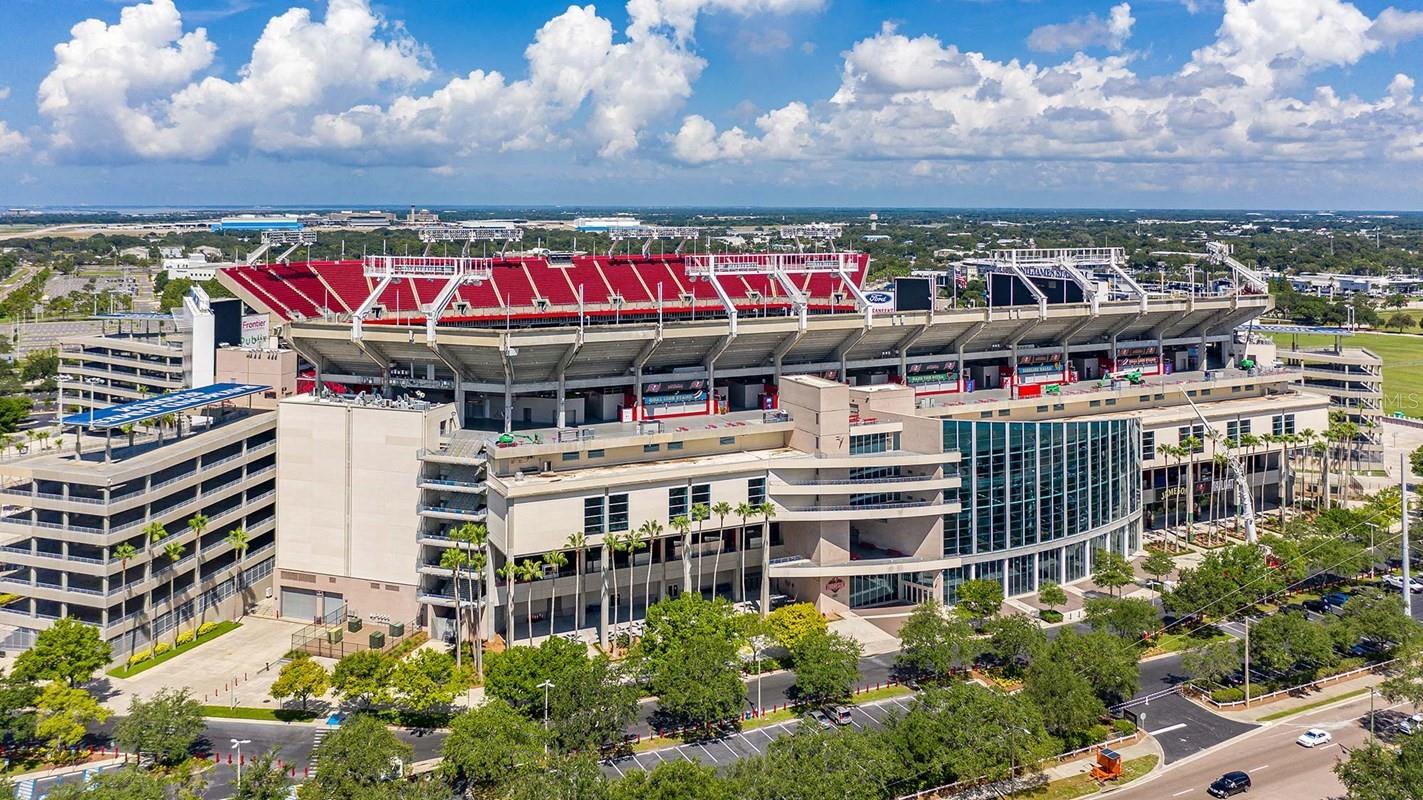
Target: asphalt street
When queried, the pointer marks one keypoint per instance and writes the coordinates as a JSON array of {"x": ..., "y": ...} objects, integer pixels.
[
  {"x": 1182, "y": 727},
  {"x": 1279, "y": 768}
]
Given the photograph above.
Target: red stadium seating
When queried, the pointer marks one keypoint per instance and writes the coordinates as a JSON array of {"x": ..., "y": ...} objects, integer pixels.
[{"x": 304, "y": 289}]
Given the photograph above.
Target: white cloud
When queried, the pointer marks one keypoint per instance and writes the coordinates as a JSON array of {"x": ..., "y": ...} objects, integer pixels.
[
  {"x": 921, "y": 100},
  {"x": 341, "y": 87},
  {"x": 11, "y": 142},
  {"x": 1393, "y": 27},
  {"x": 4, "y": 92},
  {"x": 1084, "y": 32}
]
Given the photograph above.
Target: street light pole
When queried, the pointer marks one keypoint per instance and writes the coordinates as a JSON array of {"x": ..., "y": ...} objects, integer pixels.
[
  {"x": 546, "y": 685},
  {"x": 237, "y": 745}
]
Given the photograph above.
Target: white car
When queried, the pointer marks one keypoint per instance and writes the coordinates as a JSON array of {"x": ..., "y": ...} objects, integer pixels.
[
  {"x": 1412, "y": 725},
  {"x": 1314, "y": 737},
  {"x": 1396, "y": 582},
  {"x": 819, "y": 718}
]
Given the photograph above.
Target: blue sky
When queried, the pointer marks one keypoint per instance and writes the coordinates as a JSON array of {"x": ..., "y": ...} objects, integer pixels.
[{"x": 1147, "y": 103}]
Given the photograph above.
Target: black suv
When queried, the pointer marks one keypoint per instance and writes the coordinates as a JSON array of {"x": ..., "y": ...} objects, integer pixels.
[{"x": 1230, "y": 783}]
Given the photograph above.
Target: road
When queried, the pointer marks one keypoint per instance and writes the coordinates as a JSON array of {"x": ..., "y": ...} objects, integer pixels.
[
  {"x": 1182, "y": 727},
  {"x": 1279, "y": 769}
]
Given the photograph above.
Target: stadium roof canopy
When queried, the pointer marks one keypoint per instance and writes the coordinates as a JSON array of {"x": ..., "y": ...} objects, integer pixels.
[{"x": 151, "y": 407}]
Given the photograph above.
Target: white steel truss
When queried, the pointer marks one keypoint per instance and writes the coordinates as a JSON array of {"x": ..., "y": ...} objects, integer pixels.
[
  {"x": 650, "y": 233},
  {"x": 816, "y": 232},
  {"x": 1219, "y": 253},
  {"x": 455, "y": 272},
  {"x": 779, "y": 266},
  {"x": 469, "y": 234},
  {"x": 293, "y": 240}
]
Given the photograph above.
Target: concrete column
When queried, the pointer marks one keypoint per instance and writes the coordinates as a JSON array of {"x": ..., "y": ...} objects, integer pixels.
[
  {"x": 603, "y": 596},
  {"x": 740, "y": 592},
  {"x": 765, "y": 569},
  {"x": 562, "y": 410},
  {"x": 508, "y": 405}
]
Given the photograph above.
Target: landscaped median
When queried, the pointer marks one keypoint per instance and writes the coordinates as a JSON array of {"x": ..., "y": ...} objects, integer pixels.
[{"x": 162, "y": 651}]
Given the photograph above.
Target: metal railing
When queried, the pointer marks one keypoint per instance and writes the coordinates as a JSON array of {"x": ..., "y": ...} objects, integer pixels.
[{"x": 1318, "y": 683}]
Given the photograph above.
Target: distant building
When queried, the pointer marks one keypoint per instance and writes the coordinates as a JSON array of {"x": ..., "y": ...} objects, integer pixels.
[
  {"x": 193, "y": 267},
  {"x": 600, "y": 224},
  {"x": 875, "y": 237},
  {"x": 422, "y": 217},
  {"x": 252, "y": 222},
  {"x": 360, "y": 219}
]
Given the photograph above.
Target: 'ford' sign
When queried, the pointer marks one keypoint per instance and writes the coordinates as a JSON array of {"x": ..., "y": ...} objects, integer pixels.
[{"x": 880, "y": 302}]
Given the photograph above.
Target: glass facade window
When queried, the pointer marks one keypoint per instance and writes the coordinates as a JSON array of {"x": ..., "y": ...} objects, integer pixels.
[
  {"x": 1050, "y": 567},
  {"x": 1020, "y": 575},
  {"x": 954, "y": 577},
  {"x": 1282, "y": 424},
  {"x": 592, "y": 515},
  {"x": 873, "y": 443},
  {"x": 676, "y": 502},
  {"x": 1076, "y": 561},
  {"x": 701, "y": 493},
  {"x": 877, "y": 590},
  {"x": 1187, "y": 431},
  {"x": 617, "y": 512},
  {"x": 1148, "y": 445},
  {"x": 756, "y": 491},
  {"x": 989, "y": 571},
  {"x": 1236, "y": 428},
  {"x": 1025, "y": 483}
]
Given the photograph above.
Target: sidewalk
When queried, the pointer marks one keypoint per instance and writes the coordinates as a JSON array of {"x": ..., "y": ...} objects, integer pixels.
[
  {"x": 1323, "y": 696},
  {"x": 1081, "y": 766}
]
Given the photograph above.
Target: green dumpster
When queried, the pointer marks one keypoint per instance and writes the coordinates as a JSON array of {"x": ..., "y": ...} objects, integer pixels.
[
  {"x": 353, "y": 625},
  {"x": 397, "y": 630},
  {"x": 377, "y": 640},
  {"x": 333, "y": 636}
]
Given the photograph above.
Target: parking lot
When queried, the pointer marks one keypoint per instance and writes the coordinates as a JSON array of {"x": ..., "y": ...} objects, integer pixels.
[{"x": 722, "y": 751}]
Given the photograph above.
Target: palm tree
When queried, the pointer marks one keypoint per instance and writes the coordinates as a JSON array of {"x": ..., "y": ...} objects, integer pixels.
[
  {"x": 476, "y": 536},
  {"x": 478, "y": 560},
  {"x": 634, "y": 541},
  {"x": 43, "y": 436},
  {"x": 766, "y": 512},
  {"x": 529, "y": 571},
  {"x": 722, "y": 510},
  {"x": 153, "y": 533},
  {"x": 237, "y": 538},
  {"x": 454, "y": 559},
  {"x": 127, "y": 429},
  {"x": 651, "y": 530},
  {"x": 1166, "y": 451},
  {"x": 198, "y": 523},
  {"x": 699, "y": 514},
  {"x": 578, "y": 543},
  {"x": 613, "y": 544},
  {"x": 509, "y": 572},
  {"x": 123, "y": 553},
  {"x": 558, "y": 560},
  {"x": 1222, "y": 467},
  {"x": 174, "y": 551},
  {"x": 6, "y": 442},
  {"x": 746, "y": 511},
  {"x": 682, "y": 525}
]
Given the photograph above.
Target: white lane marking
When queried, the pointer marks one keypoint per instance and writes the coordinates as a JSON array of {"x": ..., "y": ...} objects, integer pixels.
[
  {"x": 1262, "y": 766},
  {"x": 768, "y": 736},
  {"x": 684, "y": 755},
  {"x": 733, "y": 753},
  {"x": 1327, "y": 746},
  {"x": 1183, "y": 791},
  {"x": 1178, "y": 726},
  {"x": 747, "y": 739},
  {"x": 620, "y": 772}
]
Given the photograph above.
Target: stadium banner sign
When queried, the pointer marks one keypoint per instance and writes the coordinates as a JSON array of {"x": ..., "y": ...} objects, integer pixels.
[
  {"x": 149, "y": 408},
  {"x": 254, "y": 330},
  {"x": 881, "y": 301}
]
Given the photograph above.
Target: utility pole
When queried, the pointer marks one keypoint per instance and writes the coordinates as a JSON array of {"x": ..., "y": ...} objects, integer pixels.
[
  {"x": 1247, "y": 662},
  {"x": 1403, "y": 501}
]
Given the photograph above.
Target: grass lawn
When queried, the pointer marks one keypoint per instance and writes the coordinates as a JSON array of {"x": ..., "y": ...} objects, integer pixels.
[
  {"x": 1173, "y": 642},
  {"x": 1402, "y": 365},
  {"x": 261, "y": 714},
  {"x": 882, "y": 693},
  {"x": 1316, "y": 704},
  {"x": 1083, "y": 785},
  {"x": 222, "y": 627}
]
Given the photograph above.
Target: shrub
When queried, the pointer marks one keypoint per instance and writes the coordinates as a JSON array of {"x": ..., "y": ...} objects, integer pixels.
[
  {"x": 789, "y": 624},
  {"x": 139, "y": 657},
  {"x": 185, "y": 637},
  {"x": 1230, "y": 694},
  {"x": 1050, "y": 615},
  {"x": 1123, "y": 727},
  {"x": 206, "y": 627},
  {"x": 1099, "y": 733},
  {"x": 161, "y": 648}
]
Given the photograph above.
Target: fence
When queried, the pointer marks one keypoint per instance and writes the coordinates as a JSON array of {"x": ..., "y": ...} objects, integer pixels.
[
  {"x": 1011, "y": 785},
  {"x": 1205, "y": 696},
  {"x": 340, "y": 633}
]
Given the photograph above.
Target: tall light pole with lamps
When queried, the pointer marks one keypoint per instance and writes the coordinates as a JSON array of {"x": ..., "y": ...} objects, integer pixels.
[
  {"x": 237, "y": 745},
  {"x": 546, "y": 685}
]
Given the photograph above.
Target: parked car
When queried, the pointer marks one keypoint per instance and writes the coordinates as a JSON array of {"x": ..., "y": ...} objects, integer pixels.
[
  {"x": 819, "y": 718},
  {"x": 1336, "y": 599},
  {"x": 1317, "y": 605},
  {"x": 1314, "y": 737},
  {"x": 1412, "y": 724},
  {"x": 1296, "y": 608},
  {"x": 1396, "y": 582},
  {"x": 1369, "y": 648},
  {"x": 842, "y": 715},
  {"x": 1231, "y": 783}
]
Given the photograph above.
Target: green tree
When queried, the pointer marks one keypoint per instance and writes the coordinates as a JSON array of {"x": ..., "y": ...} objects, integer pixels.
[
  {"x": 590, "y": 703},
  {"x": 1406, "y": 680},
  {"x": 174, "y": 552},
  {"x": 1401, "y": 322},
  {"x": 1225, "y": 581},
  {"x": 364, "y": 677},
  {"x": 166, "y": 726},
  {"x": 980, "y": 600},
  {"x": 1287, "y": 643},
  {"x": 1158, "y": 564},
  {"x": 1111, "y": 570},
  {"x": 1211, "y": 663},
  {"x": 1015, "y": 640},
  {"x": 816, "y": 765},
  {"x": 1051, "y": 595},
  {"x": 689, "y": 653},
  {"x": 1415, "y": 461},
  {"x": 301, "y": 678},
  {"x": 263, "y": 779},
  {"x": 357, "y": 761},
  {"x": 68, "y": 651},
  {"x": 427, "y": 680},
  {"x": 1130, "y": 618},
  {"x": 63, "y": 714},
  {"x": 826, "y": 667},
  {"x": 1376, "y": 615},
  {"x": 1067, "y": 701},
  {"x": 17, "y": 709},
  {"x": 238, "y": 540},
  {"x": 964, "y": 731},
  {"x": 1107, "y": 663},
  {"x": 14, "y": 410},
  {"x": 132, "y": 783},
  {"x": 672, "y": 780},
  {"x": 487, "y": 743},
  {"x": 790, "y": 623},
  {"x": 934, "y": 642},
  {"x": 557, "y": 777},
  {"x": 1376, "y": 772}
]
